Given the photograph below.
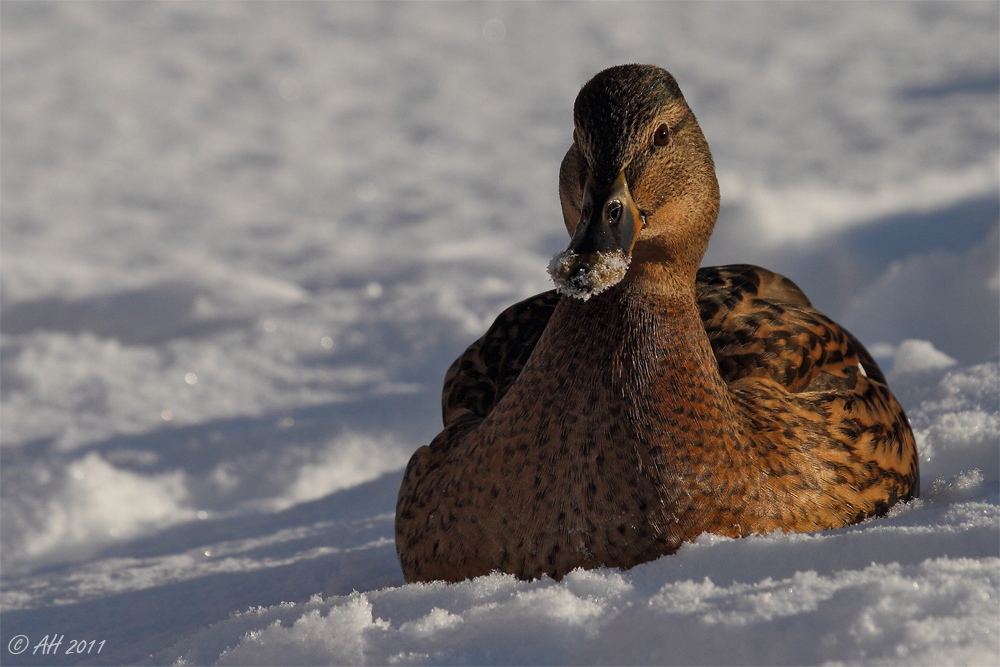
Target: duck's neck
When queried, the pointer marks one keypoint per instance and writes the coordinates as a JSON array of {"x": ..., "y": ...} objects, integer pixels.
[{"x": 662, "y": 374}]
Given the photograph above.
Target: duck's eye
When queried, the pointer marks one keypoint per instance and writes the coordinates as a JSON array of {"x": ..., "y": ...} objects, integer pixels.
[{"x": 662, "y": 135}]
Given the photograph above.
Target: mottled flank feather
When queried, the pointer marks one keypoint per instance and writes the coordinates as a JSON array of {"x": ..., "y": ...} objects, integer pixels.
[{"x": 607, "y": 428}]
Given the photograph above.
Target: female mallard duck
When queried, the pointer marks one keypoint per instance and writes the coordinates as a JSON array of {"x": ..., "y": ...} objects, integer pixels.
[{"x": 652, "y": 401}]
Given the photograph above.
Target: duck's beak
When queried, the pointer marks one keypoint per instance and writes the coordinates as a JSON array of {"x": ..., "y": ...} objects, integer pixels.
[
  {"x": 610, "y": 220},
  {"x": 601, "y": 248}
]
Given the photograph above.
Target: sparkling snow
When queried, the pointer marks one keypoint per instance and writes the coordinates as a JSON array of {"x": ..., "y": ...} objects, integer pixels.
[{"x": 241, "y": 243}]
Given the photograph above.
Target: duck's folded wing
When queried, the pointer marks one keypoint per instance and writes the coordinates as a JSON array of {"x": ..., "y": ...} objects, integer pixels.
[
  {"x": 762, "y": 329},
  {"x": 760, "y": 324},
  {"x": 480, "y": 377}
]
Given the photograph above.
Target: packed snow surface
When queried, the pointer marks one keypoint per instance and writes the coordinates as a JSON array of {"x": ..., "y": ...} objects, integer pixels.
[{"x": 241, "y": 243}]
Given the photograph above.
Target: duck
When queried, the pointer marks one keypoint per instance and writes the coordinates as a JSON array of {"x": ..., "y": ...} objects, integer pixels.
[{"x": 646, "y": 400}]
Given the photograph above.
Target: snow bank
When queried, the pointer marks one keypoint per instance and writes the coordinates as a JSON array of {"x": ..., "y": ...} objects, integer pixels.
[
  {"x": 72, "y": 508},
  {"x": 57, "y": 511},
  {"x": 937, "y": 612},
  {"x": 918, "y": 355}
]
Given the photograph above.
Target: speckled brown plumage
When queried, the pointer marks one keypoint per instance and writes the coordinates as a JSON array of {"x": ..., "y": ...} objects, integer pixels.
[{"x": 606, "y": 431}]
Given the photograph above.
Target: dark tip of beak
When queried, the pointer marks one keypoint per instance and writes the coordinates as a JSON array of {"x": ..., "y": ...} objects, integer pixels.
[{"x": 609, "y": 220}]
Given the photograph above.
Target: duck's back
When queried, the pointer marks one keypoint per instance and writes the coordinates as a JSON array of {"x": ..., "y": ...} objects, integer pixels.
[{"x": 760, "y": 324}]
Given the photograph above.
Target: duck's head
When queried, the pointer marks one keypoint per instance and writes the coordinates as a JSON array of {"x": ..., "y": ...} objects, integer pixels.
[{"x": 638, "y": 187}]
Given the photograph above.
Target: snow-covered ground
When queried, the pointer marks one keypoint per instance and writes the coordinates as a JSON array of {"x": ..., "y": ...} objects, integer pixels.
[{"x": 241, "y": 242}]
